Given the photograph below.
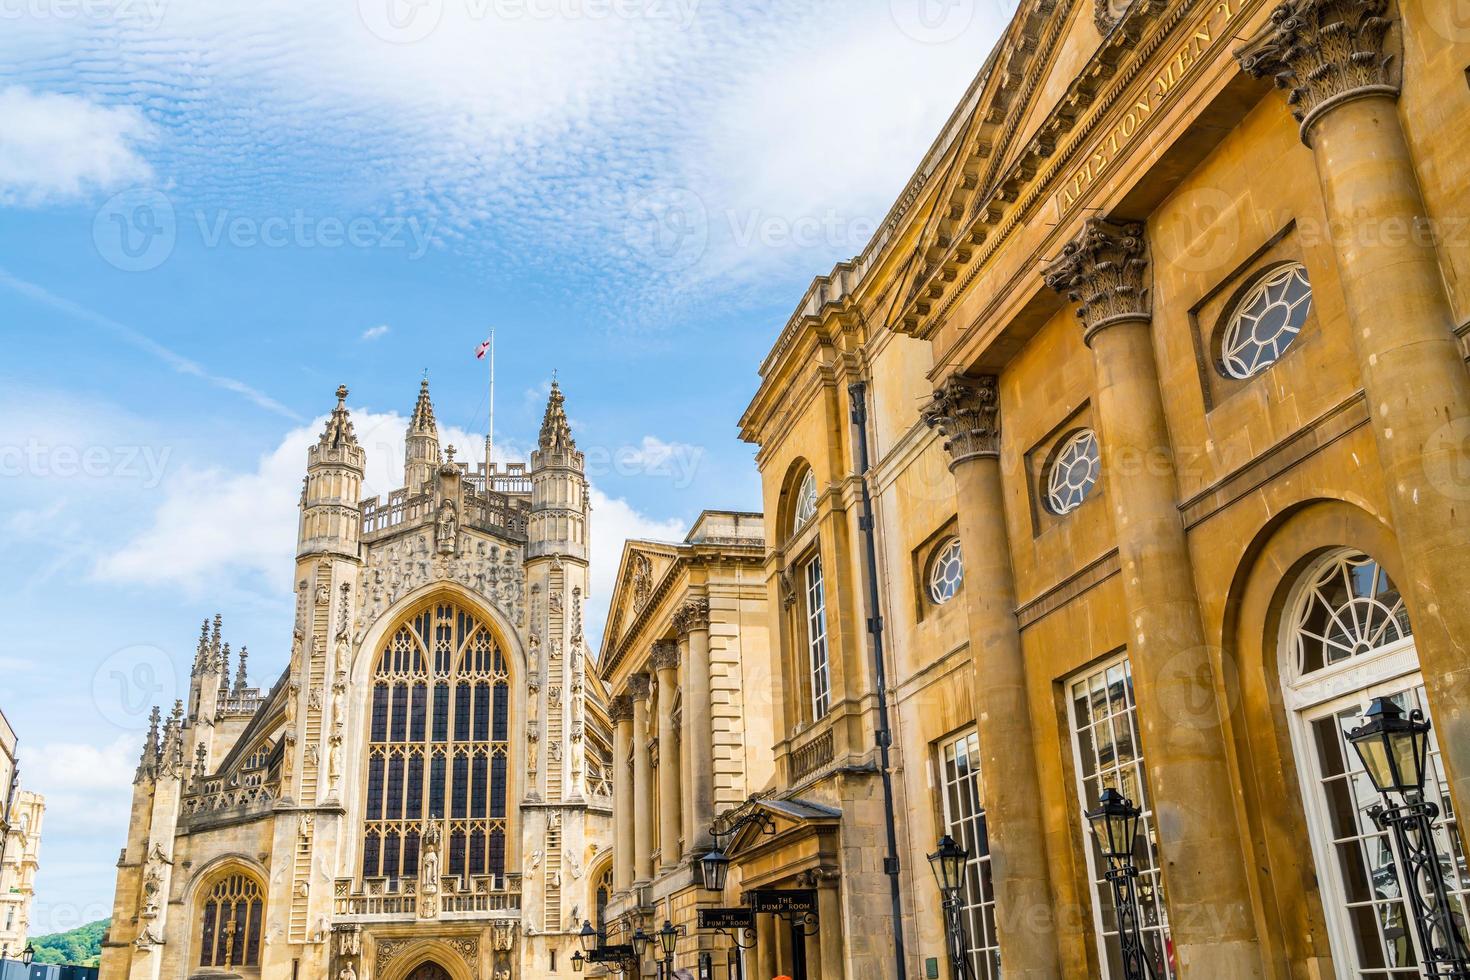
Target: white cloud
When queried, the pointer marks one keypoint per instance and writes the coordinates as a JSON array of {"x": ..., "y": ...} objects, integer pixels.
[
  {"x": 57, "y": 147},
  {"x": 373, "y": 333},
  {"x": 614, "y": 521},
  {"x": 87, "y": 786}
]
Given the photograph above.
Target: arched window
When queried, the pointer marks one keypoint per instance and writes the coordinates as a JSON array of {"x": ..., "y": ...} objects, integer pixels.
[
  {"x": 438, "y": 745},
  {"x": 233, "y": 909},
  {"x": 1267, "y": 319},
  {"x": 1073, "y": 472},
  {"x": 806, "y": 502},
  {"x": 602, "y": 896},
  {"x": 946, "y": 572},
  {"x": 1347, "y": 640}
]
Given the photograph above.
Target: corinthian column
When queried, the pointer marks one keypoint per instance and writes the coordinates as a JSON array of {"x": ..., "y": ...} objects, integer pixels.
[
  {"x": 967, "y": 412},
  {"x": 638, "y": 689},
  {"x": 692, "y": 622},
  {"x": 620, "y": 713},
  {"x": 1342, "y": 85},
  {"x": 1105, "y": 270},
  {"x": 666, "y": 666}
]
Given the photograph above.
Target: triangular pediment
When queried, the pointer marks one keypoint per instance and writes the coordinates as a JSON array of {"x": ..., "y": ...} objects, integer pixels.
[{"x": 643, "y": 566}]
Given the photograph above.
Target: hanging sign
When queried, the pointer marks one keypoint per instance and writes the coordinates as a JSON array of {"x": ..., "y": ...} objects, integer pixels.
[
  {"x": 798, "y": 901},
  {"x": 738, "y": 918}
]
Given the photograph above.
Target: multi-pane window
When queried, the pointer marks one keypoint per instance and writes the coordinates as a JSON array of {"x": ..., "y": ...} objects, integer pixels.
[
  {"x": 1107, "y": 752},
  {"x": 1266, "y": 321},
  {"x": 816, "y": 638},
  {"x": 964, "y": 819},
  {"x": 1349, "y": 608},
  {"x": 438, "y": 744},
  {"x": 946, "y": 572},
  {"x": 806, "y": 502},
  {"x": 1073, "y": 472},
  {"x": 231, "y": 917}
]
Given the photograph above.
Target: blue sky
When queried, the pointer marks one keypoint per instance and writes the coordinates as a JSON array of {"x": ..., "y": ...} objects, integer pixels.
[{"x": 213, "y": 213}]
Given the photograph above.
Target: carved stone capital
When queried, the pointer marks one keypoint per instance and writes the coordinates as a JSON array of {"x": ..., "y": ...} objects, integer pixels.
[
  {"x": 1324, "y": 53},
  {"x": 692, "y": 615},
  {"x": 619, "y": 709},
  {"x": 665, "y": 655},
  {"x": 966, "y": 411},
  {"x": 1104, "y": 270},
  {"x": 639, "y": 687}
]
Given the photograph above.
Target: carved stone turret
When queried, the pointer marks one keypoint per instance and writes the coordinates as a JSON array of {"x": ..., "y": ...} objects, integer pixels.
[
  {"x": 966, "y": 411},
  {"x": 558, "y": 522},
  {"x": 421, "y": 447},
  {"x": 331, "y": 518}
]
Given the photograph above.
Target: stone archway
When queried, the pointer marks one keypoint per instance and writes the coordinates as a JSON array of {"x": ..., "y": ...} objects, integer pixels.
[{"x": 429, "y": 970}]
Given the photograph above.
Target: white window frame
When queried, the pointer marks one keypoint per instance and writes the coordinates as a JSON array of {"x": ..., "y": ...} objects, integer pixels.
[
  {"x": 818, "y": 660},
  {"x": 1382, "y": 672},
  {"x": 1101, "y": 890},
  {"x": 949, "y": 551},
  {"x": 977, "y": 903}
]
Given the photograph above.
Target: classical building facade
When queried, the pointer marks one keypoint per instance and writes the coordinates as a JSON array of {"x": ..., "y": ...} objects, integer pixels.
[
  {"x": 423, "y": 793},
  {"x": 19, "y": 862},
  {"x": 1155, "y": 376},
  {"x": 687, "y": 659}
]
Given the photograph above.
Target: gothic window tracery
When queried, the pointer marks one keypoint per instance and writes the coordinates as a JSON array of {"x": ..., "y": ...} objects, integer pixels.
[
  {"x": 230, "y": 922},
  {"x": 438, "y": 746}
]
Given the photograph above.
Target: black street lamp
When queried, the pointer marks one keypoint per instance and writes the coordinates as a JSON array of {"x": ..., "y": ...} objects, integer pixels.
[
  {"x": 1115, "y": 824},
  {"x": 28, "y": 954},
  {"x": 1394, "y": 750},
  {"x": 668, "y": 939},
  {"x": 714, "y": 868},
  {"x": 577, "y": 960},
  {"x": 948, "y": 863},
  {"x": 589, "y": 937}
]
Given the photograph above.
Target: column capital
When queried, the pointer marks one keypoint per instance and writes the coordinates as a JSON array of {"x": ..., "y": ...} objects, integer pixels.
[
  {"x": 665, "y": 655},
  {"x": 966, "y": 411},
  {"x": 619, "y": 709},
  {"x": 1324, "y": 53},
  {"x": 639, "y": 687},
  {"x": 692, "y": 615},
  {"x": 1104, "y": 270}
]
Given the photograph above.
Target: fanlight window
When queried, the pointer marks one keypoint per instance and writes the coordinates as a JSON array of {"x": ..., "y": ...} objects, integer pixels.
[
  {"x": 806, "y": 501},
  {"x": 232, "y": 914},
  {"x": 1073, "y": 472},
  {"x": 1349, "y": 608},
  {"x": 1266, "y": 321},
  {"x": 438, "y": 747},
  {"x": 946, "y": 572}
]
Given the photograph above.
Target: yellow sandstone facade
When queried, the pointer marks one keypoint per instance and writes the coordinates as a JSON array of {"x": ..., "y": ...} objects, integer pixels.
[{"x": 1163, "y": 347}]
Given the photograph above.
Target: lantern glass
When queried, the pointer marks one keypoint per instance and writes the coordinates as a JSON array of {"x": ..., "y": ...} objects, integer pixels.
[
  {"x": 588, "y": 936},
  {"x": 1392, "y": 748},
  {"x": 1115, "y": 822},
  {"x": 28, "y": 954},
  {"x": 640, "y": 943},
  {"x": 715, "y": 867},
  {"x": 948, "y": 864},
  {"x": 667, "y": 937},
  {"x": 577, "y": 960}
]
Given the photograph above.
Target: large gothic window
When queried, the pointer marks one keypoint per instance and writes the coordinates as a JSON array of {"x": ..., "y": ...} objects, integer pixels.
[
  {"x": 438, "y": 744},
  {"x": 230, "y": 933}
]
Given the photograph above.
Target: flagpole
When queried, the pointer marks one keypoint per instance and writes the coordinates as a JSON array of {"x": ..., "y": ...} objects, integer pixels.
[{"x": 490, "y": 430}]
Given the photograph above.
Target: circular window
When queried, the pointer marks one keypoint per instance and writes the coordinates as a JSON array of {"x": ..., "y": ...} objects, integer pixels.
[
  {"x": 1073, "y": 472},
  {"x": 1266, "y": 321},
  {"x": 1349, "y": 608},
  {"x": 946, "y": 572},
  {"x": 806, "y": 501}
]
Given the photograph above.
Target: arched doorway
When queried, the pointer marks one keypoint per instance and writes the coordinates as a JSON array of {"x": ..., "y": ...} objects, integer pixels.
[
  {"x": 1347, "y": 639},
  {"x": 429, "y": 971}
]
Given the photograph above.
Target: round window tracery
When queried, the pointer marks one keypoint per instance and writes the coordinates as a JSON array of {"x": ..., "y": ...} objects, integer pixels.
[
  {"x": 1266, "y": 321},
  {"x": 1350, "y": 608},
  {"x": 946, "y": 572},
  {"x": 1073, "y": 472},
  {"x": 806, "y": 501}
]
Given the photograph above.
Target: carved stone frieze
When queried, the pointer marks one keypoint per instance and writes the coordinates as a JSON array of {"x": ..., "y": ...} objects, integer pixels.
[
  {"x": 966, "y": 411},
  {"x": 1323, "y": 53},
  {"x": 1104, "y": 270},
  {"x": 490, "y": 570}
]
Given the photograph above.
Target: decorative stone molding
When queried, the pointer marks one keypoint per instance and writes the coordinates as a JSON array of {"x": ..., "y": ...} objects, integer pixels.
[
  {"x": 619, "y": 709},
  {"x": 1104, "y": 270},
  {"x": 1324, "y": 53},
  {"x": 665, "y": 655},
  {"x": 966, "y": 411},
  {"x": 692, "y": 615},
  {"x": 639, "y": 687},
  {"x": 492, "y": 571}
]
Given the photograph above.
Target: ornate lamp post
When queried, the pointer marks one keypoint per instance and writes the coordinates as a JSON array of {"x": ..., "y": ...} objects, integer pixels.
[
  {"x": 1115, "y": 823},
  {"x": 1394, "y": 751},
  {"x": 948, "y": 863},
  {"x": 28, "y": 954},
  {"x": 668, "y": 939}
]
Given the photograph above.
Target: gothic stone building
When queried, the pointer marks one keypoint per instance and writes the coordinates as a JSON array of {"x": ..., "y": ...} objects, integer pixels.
[
  {"x": 424, "y": 791},
  {"x": 1155, "y": 374}
]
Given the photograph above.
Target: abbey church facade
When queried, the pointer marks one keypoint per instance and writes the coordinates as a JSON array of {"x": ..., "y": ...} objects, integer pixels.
[{"x": 424, "y": 793}]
